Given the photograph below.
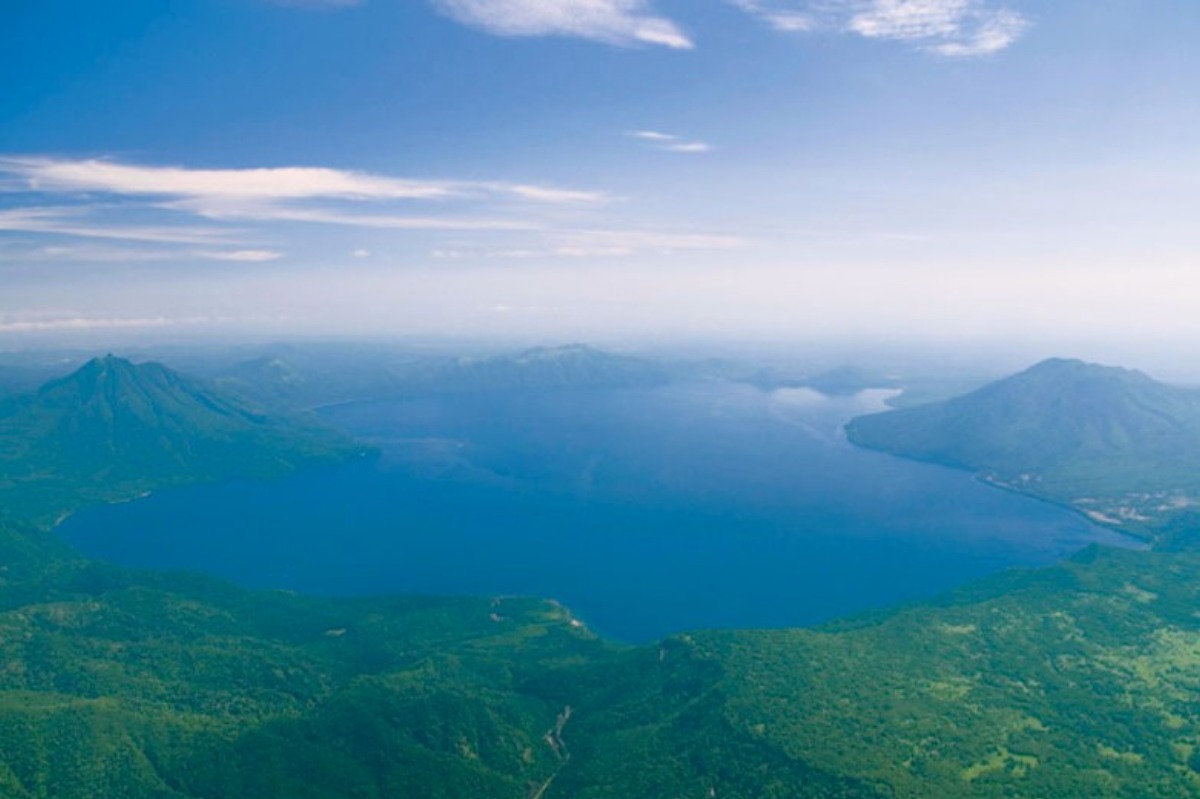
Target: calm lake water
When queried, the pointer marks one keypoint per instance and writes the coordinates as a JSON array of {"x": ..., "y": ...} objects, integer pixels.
[{"x": 647, "y": 511}]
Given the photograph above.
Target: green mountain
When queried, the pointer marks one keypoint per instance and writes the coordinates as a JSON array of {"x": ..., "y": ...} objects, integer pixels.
[
  {"x": 1111, "y": 442},
  {"x": 113, "y": 430}
]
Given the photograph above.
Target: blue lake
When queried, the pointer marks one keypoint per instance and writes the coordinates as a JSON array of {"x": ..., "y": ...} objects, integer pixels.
[{"x": 647, "y": 511}]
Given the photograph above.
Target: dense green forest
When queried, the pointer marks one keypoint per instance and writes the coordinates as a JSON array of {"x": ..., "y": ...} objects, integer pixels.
[{"x": 1073, "y": 681}]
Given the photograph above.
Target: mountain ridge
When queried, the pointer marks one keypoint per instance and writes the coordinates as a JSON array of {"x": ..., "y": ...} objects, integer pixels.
[{"x": 289, "y": 380}]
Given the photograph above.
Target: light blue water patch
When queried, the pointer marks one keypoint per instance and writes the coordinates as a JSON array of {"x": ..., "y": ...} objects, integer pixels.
[{"x": 647, "y": 511}]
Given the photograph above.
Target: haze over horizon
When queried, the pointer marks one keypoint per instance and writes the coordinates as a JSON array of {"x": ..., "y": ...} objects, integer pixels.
[{"x": 781, "y": 169}]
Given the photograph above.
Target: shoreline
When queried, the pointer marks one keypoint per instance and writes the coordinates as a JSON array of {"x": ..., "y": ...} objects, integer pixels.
[{"x": 1143, "y": 541}]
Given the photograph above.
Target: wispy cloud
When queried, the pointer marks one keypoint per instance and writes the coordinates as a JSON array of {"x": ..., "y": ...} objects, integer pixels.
[
  {"x": 236, "y": 215},
  {"x": 76, "y": 221},
  {"x": 100, "y": 323},
  {"x": 324, "y": 216},
  {"x": 953, "y": 28},
  {"x": 244, "y": 256},
  {"x": 108, "y": 199},
  {"x": 780, "y": 14},
  {"x": 620, "y": 22},
  {"x": 544, "y": 194},
  {"x": 602, "y": 244},
  {"x": 670, "y": 142},
  {"x": 258, "y": 185},
  {"x": 90, "y": 253}
]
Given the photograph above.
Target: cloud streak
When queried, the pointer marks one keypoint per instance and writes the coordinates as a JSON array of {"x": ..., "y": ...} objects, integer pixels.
[
  {"x": 671, "y": 143},
  {"x": 107, "y": 199},
  {"x": 91, "y": 253},
  {"x": 75, "y": 221},
  {"x": 50, "y": 175},
  {"x": 242, "y": 256},
  {"x": 82, "y": 323},
  {"x": 616, "y": 22},
  {"x": 951, "y": 28},
  {"x": 325, "y": 216},
  {"x": 580, "y": 244},
  {"x": 238, "y": 215}
]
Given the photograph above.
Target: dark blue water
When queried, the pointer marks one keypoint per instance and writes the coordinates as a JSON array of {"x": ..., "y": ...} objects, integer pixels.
[{"x": 648, "y": 511}]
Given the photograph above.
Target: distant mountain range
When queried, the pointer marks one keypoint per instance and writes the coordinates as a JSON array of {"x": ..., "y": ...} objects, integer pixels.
[
  {"x": 1111, "y": 442},
  {"x": 567, "y": 367},
  {"x": 294, "y": 380},
  {"x": 114, "y": 429}
]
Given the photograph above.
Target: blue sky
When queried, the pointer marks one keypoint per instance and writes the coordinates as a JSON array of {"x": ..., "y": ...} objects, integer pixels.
[{"x": 582, "y": 168}]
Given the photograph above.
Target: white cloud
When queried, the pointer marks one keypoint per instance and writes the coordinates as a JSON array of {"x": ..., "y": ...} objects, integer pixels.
[
  {"x": 104, "y": 199},
  {"x": 688, "y": 147},
  {"x": 99, "y": 323},
  {"x": 545, "y": 194},
  {"x": 910, "y": 19},
  {"x": 777, "y": 15},
  {"x": 73, "y": 221},
  {"x": 101, "y": 198},
  {"x": 89, "y": 253},
  {"x": 321, "y": 216},
  {"x": 275, "y": 184},
  {"x": 654, "y": 240},
  {"x": 247, "y": 256},
  {"x": 603, "y": 244},
  {"x": 284, "y": 183},
  {"x": 990, "y": 36},
  {"x": 670, "y": 142},
  {"x": 953, "y": 28},
  {"x": 85, "y": 253},
  {"x": 653, "y": 135},
  {"x": 621, "y": 22}
]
